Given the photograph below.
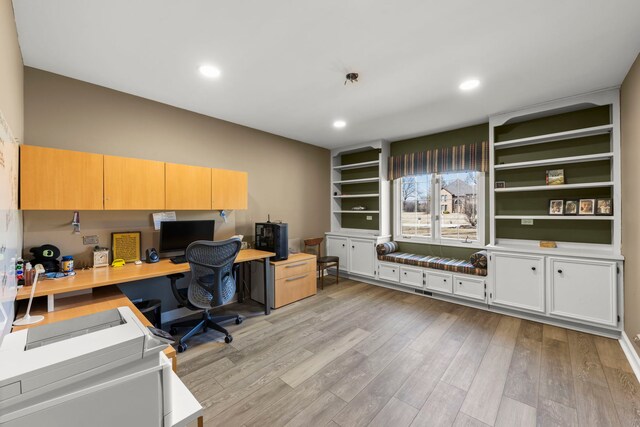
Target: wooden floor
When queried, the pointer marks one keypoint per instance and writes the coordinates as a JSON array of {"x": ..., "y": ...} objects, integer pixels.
[{"x": 362, "y": 355}]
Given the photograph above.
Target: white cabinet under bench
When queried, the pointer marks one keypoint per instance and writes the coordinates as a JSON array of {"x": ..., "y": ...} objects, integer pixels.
[{"x": 357, "y": 252}]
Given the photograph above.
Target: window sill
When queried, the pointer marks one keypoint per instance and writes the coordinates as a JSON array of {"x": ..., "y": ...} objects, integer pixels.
[{"x": 474, "y": 245}]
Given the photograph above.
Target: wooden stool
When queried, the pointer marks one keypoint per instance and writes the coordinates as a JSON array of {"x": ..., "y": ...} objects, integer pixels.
[{"x": 314, "y": 246}]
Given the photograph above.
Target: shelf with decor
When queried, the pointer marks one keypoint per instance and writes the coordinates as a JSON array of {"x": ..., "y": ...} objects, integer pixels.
[
  {"x": 574, "y": 142},
  {"x": 355, "y": 212}
]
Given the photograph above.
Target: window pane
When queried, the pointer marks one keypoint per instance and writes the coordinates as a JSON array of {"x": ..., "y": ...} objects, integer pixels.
[
  {"x": 416, "y": 205},
  {"x": 459, "y": 206}
]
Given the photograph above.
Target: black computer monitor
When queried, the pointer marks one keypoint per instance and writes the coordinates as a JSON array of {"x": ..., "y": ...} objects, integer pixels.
[{"x": 175, "y": 236}]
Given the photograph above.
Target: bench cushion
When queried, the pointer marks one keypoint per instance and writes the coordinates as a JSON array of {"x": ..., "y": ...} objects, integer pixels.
[{"x": 447, "y": 264}]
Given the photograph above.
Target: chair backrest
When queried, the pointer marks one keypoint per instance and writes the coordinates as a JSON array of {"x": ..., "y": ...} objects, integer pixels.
[
  {"x": 212, "y": 282},
  {"x": 313, "y": 246}
]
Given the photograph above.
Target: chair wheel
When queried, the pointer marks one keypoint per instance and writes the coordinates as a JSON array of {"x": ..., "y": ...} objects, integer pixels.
[
  {"x": 228, "y": 339},
  {"x": 173, "y": 331},
  {"x": 182, "y": 348},
  {"x": 239, "y": 320}
]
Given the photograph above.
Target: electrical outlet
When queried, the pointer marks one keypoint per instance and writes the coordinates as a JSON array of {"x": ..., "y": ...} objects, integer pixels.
[
  {"x": 369, "y": 218},
  {"x": 90, "y": 240},
  {"x": 526, "y": 222}
]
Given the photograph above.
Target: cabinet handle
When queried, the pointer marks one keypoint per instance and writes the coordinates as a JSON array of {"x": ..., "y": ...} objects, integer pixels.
[
  {"x": 296, "y": 278},
  {"x": 533, "y": 268},
  {"x": 295, "y": 265},
  {"x": 460, "y": 283},
  {"x": 560, "y": 271},
  {"x": 445, "y": 280},
  {"x": 405, "y": 273},
  {"x": 343, "y": 245}
]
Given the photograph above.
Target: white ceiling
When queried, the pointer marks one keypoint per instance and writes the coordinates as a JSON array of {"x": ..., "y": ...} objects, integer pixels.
[{"x": 283, "y": 62}]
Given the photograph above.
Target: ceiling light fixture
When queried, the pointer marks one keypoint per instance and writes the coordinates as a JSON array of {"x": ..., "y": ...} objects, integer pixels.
[
  {"x": 209, "y": 71},
  {"x": 469, "y": 84},
  {"x": 339, "y": 124}
]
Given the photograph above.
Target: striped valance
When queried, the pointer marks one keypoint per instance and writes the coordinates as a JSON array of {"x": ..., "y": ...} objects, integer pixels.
[{"x": 467, "y": 157}]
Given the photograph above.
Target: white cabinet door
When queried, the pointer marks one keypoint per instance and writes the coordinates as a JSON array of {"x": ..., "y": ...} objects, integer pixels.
[
  {"x": 583, "y": 290},
  {"x": 362, "y": 257},
  {"x": 390, "y": 272},
  {"x": 439, "y": 282},
  {"x": 412, "y": 276},
  {"x": 469, "y": 287},
  {"x": 339, "y": 246},
  {"x": 518, "y": 281}
]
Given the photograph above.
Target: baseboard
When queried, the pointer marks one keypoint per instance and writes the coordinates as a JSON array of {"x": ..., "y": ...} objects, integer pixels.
[{"x": 631, "y": 353}]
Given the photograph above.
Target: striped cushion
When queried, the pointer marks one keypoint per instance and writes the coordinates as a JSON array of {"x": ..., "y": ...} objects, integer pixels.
[
  {"x": 479, "y": 259},
  {"x": 447, "y": 264},
  {"x": 386, "y": 248}
]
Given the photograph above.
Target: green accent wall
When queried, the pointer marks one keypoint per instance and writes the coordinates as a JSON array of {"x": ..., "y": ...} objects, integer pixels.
[{"x": 467, "y": 135}]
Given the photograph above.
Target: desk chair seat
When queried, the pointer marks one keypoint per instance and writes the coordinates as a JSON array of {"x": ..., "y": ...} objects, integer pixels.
[
  {"x": 314, "y": 247},
  {"x": 213, "y": 283}
]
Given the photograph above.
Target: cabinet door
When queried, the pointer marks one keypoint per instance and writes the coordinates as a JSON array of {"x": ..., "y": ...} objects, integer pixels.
[
  {"x": 389, "y": 272},
  {"x": 412, "y": 276},
  {"x": 187, "y": 187},
  {"x": 469, "y": 287},
  {"x": 52, "y": 179},
  {"x": 362, "y": 257},
  {"x": 439, "y": 282},
  {"x": 338, "y": 246},
  {"x": 229, "y": 189},
  {"x": 583, "y": 290},
  {"x": 133, "y": 184},
  {"x": 518, "y": 281}
]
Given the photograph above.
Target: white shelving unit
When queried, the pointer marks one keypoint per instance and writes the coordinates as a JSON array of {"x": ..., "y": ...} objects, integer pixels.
[
  {"x": 356, "y": 181},
  {"x": 355, "y": 212},
  {"x": 357, "y": 165},
  {"x": 357, "y": 196},
  {"x": 612, "y": 129}
]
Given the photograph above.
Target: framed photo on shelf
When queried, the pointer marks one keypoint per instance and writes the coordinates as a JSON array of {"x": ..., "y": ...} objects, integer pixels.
[
  {"x": 571, "y": 207},
  {"x": 556, "y": 207},
  {"x": 501, "y": 184},
  {"x": 604, "y": 207},
  {"x": 555, "y": 176},
  {"x": 587, "y": 207}
]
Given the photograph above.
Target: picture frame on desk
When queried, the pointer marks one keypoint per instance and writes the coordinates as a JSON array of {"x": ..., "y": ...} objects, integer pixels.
[{"x": 126, "y": 245}]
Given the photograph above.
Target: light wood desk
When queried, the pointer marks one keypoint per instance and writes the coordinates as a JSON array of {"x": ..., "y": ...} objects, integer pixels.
[{"x": 106, "y": 276}]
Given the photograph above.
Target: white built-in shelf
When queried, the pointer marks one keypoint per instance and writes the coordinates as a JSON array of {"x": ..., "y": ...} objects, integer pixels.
[
  {"x": 356, "y": 212},
  {"x": 357, "y": 165},
  {"x": 559, "y": 136},
  {"x": 355, "y": 196},
  {"x": 554, "y": 217},
  {"x": 554, "y": 187},
  {"x": 556, "y": 161},
  {"x": 357, "y": 181}
]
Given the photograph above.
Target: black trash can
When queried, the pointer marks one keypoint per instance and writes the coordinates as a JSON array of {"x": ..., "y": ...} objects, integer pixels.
[{"x": 151, "y": 310}]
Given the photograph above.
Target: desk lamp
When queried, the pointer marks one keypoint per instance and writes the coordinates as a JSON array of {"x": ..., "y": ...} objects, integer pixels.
[{"x": 27, "y": 319}]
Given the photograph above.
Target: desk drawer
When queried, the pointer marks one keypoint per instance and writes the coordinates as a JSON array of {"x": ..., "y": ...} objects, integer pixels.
[
  {"x": 295, "y": 268},
  {"x": 294, "y": 288}
]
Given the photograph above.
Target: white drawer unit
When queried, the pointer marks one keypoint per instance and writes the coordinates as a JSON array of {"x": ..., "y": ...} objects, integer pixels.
[
  {"x": 439, "y": 282},
  {"x": 469, "y": 287},
  {"x": 518, "y": 281},
  {"x": 390, "y": 272},
  {"x": 412, "y": 276},
  {"x": 583, "y": 290},
  {"x": 339, "y": 246}
]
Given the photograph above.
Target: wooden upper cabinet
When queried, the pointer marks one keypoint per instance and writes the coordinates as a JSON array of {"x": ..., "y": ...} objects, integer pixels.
[
  {"x": 229, "y": 189},
  {"x": 52, "y": 179},
  {"x": 187, "y": 187},
  {"x": 133, "y": 184}
]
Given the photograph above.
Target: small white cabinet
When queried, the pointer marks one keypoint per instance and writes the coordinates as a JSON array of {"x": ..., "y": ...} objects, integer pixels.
[
  {"x": 339, "y": 246},
  {"x": 518, "y": 281},
  {"x": 469, "y": 287},
  {"x": 439, "y": 282},
  {"x": 362, "y": 257},
  {"x": 412, "y": 276},
  {"x": 390, "y": 272},
  {"x": 583, "y": 290}
]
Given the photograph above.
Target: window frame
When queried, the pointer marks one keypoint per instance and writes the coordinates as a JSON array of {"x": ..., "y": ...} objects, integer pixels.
[{"x": 436, "y": 237}]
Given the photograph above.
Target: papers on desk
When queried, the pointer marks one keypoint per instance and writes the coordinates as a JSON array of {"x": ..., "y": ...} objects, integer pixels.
[{"x": 162, "y": 216}]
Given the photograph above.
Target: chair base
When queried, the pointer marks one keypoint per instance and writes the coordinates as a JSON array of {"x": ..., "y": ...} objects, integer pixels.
[{"x": 202, "y": 325}]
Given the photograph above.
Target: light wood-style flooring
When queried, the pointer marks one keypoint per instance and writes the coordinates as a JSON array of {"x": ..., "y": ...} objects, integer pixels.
[{"x": 362, "y": 355}]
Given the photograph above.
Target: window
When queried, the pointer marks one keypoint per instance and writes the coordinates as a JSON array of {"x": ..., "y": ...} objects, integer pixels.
[{"x": 458, "y": 214}]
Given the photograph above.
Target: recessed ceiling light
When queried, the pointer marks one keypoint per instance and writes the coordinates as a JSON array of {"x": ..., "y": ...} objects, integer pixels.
[
  {"x": 209, "y": 71},
  {"x": 469, "y": 84},
  {"x": 339, "y": 124}
]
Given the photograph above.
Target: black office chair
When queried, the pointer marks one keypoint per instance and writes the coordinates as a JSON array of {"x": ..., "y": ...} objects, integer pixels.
[{"x": 213, "y": 283}]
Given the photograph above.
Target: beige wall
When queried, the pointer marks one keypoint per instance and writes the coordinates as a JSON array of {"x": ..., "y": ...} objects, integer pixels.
[
  {"x": 11, "y": 72},
  {"x": 630, "y": 119},
  {"x": 287, "y": 179}
]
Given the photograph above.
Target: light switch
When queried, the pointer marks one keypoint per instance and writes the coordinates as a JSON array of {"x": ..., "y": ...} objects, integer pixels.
[
  {"x": 526, "y": 221},
  {"x": 369, "y": 217}
]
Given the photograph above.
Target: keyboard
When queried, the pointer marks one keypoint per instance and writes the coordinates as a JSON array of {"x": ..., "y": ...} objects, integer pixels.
[{"x": 178, "y": 259}]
